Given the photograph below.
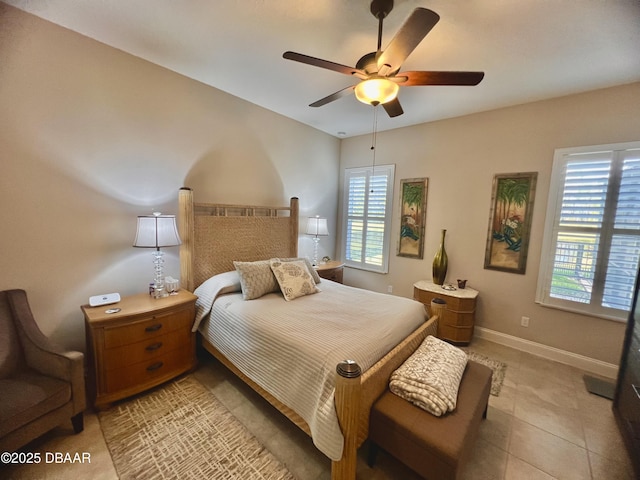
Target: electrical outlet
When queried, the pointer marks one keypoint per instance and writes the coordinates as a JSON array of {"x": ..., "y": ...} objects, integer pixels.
[
  {"x": 389, "y": 288},
  {"x": 524, "y": 321}
]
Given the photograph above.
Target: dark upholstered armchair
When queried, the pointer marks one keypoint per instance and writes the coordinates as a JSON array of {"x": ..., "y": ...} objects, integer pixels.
[{"x": 41, "y": 386}]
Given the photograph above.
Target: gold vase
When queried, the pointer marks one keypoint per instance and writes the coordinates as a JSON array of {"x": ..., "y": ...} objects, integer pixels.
[{"x": 440, "y": 263}]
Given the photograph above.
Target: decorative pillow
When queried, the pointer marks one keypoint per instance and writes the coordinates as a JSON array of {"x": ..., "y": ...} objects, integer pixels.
[
  {"x": 294, "y": 278},
  {"x": 312, "y": 271},
  {"x": 256, "y": 279}
]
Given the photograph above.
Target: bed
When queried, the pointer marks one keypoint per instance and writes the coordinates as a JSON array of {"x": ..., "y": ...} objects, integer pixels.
[{"x": 336, "y": 413}]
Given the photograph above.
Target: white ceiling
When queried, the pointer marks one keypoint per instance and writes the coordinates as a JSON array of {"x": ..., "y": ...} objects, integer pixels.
[{"x": 529, "y": 49}]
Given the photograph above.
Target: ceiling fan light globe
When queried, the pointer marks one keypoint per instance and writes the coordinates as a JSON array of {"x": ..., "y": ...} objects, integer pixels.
[{"x": 376, "y": 91}]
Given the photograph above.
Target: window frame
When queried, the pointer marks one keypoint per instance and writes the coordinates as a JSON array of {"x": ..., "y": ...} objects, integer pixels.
[
  {"x": 368, "y": 172},
  {"x": 552, "y": 227}
]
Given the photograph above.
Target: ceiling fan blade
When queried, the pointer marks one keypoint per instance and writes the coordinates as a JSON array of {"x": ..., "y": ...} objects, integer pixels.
[
  {"x": 318, "y": 62},
  {"x": 393, "y": 108},
  {"x": 414, "y": 29},
  {"x": 440, "y": 78},
  {"x": 334, "y": 96}
]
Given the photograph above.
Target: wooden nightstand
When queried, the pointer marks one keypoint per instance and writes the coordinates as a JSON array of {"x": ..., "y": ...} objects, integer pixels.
[
  {"x": 331, "y": 270},
  {"x": 147, "y": 342},
  {"x": 459, "y": 317}
]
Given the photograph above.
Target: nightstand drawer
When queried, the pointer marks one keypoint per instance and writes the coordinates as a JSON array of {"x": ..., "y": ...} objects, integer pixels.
[
  {"x": 458, "y": 319},
  {"x": 147, "y": 328},
  {"x": 144, "y": 372},
  {"x": 333, "y": 275},
  {"x": 332, "y": 270},
  {"x": 462, "y": 305},
  {"x": 148, "y": 349},
  {"x": 454, "y": 333}
]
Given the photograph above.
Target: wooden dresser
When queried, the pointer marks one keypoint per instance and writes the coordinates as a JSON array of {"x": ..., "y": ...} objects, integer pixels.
[
  {"x": 458, "y": 320},
  {"x": 147, "y": 342}
]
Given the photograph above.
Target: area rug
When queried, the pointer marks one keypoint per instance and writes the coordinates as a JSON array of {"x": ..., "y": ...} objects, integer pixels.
[
  {"x": 181, "y": 430},
  {"x": 498, "y": 368}
]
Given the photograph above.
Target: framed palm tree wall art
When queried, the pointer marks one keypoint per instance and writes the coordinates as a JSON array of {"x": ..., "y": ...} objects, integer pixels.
[
  {"x": 413, "y": 210},
  {"x": 510, "y": 222}
]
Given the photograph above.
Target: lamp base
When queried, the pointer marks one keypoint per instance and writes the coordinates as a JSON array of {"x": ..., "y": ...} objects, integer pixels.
[
  {"x": 159, "y": 291},
  {"x": 316, "y": 241}
]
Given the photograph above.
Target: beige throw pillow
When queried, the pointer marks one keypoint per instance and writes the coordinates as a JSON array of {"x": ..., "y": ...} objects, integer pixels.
[
  {"x": 256, "y": 279},
  {"x": 307, "y": 262},
  {"x": 294, "y": 278}
]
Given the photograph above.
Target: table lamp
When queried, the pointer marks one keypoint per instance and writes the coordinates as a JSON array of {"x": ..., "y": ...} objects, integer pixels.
[
  {"x": 156, "y": 231},
  {"x": 316, "y": 226}
]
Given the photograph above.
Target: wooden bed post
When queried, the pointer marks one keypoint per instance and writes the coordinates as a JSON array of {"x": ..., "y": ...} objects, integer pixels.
[
  {"x": 293, "y": 204},
  {"x": 347, "y": 400},
  {"x": 186, "y": 231}
]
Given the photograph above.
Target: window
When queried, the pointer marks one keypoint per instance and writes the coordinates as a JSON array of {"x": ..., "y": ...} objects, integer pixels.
[
  {"x": 368, "y": 194},
  {"x": 591, "y": 243}
]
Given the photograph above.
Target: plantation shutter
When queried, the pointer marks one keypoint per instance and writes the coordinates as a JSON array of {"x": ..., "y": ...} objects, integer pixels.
[
  {"x": 592, "y": 235},
  {"x": 367, "y": 216},
  {"x": 625, "y": 240}
]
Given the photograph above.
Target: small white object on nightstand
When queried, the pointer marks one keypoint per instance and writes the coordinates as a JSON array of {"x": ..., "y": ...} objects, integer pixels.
[{"x": 105, "y": 299}]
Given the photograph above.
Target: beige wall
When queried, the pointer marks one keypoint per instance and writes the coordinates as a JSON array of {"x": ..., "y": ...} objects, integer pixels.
[
  {"x": 460, "y": 157},
  {"x": 91, "y": 137}
]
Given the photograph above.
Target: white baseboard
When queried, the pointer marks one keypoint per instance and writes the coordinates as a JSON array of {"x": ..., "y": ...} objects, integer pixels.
[{"x": 588, "y": 364}]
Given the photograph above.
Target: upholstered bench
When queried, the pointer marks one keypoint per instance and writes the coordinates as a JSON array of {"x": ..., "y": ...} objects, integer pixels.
[{"x": 435, "y": 447}]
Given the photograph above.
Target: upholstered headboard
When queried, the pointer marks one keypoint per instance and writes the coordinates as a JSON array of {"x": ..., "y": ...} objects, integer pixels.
[{"x": 214, "y": 235}]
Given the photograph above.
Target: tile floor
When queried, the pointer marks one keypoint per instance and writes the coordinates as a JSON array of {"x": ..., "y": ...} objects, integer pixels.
[{"x": 544, "y": 425}]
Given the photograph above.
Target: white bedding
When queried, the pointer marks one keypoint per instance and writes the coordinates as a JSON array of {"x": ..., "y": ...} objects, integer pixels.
[{"x": 298, "y": 368}]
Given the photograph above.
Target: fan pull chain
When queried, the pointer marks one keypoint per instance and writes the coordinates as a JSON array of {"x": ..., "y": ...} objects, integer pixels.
[{"x": 374, "y": 139}]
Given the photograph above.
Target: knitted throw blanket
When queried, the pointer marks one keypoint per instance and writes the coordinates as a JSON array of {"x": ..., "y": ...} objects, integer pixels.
[{"x": 430, "y": 378}]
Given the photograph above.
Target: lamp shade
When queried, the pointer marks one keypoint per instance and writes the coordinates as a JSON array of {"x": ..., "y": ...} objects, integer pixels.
[
  {"x": 317, "y": 226},
  {"x": 155, "y": 231},
  {"x": 375, "y": 91}
]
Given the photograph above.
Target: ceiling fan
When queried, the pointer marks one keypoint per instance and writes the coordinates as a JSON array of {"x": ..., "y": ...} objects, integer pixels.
[{"x": 379, "y": 72}]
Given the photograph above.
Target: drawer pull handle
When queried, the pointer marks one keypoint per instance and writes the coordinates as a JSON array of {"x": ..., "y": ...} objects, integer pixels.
[
  {"x": 636, "y": 389},
  {"x": 153, "y": 328},
  {"x": 154, "y": 366},
  {"x": 154, "y": 346}
]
